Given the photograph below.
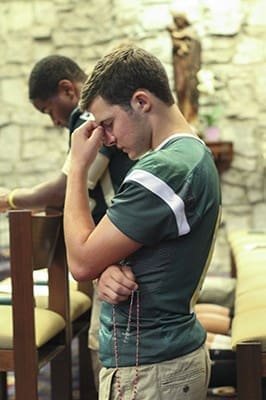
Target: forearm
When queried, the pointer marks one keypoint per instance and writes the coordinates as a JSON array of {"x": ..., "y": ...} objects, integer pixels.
[
  {"x": 47, "y": 194},
  {"x": 90, "y": 249},
  {"x": 78, "y": 221}
]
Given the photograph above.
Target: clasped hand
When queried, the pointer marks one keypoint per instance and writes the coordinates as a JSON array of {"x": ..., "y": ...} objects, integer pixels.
[{"x": 116, "y": 284}]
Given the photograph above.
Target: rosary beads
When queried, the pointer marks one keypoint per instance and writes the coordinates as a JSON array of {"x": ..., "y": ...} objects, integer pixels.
[{"x": 126, "y": 338}]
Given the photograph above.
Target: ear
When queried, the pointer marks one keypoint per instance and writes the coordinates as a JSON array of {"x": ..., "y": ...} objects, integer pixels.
[
  {"x": 67, "y": 88},
  {"x": 141, "y": 101}
]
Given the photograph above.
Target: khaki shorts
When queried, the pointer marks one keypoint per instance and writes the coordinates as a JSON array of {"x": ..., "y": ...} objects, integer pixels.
[{"x": 183, "y": 378}]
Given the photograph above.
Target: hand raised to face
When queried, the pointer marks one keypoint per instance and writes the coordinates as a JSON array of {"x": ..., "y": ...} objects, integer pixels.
[{"x": 85, "y": 143}]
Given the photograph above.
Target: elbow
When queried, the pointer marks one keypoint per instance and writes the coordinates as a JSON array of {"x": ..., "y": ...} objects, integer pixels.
[{"x": 81, "y": 272}]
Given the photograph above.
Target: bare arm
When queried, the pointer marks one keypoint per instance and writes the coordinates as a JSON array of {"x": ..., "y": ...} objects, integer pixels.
[
  {"x": 90, "y": 249},
  {"x": 47, "y": 194}
]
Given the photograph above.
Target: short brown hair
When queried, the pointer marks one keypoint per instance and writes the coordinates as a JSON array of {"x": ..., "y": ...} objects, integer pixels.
[{"x": 120, "y": 73}]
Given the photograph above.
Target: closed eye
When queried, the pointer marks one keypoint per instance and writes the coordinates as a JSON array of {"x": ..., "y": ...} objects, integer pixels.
[{"x": 107, "y": 125}]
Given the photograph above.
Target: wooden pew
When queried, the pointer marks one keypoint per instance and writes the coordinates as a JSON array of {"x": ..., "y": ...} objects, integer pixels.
[{"x": 248, "y": 254}]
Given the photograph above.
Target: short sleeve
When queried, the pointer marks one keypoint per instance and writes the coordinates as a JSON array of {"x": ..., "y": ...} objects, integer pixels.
[
  {"x": 66, "y": 166},
  {"x": 95, "y": 172},
  {"x": 142, "y": 215}
]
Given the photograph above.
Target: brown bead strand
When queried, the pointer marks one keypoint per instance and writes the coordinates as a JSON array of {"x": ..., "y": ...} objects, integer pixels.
[{"x": 116, "y": 352}]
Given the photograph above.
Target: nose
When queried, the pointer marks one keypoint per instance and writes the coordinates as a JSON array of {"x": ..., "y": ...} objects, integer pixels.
[{"x": 109, "y": 139}]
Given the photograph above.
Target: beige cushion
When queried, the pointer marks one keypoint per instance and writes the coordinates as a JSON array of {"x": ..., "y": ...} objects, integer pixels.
[
  {"x": 251, "y": 282},
  {"x": 249, "y": 258},
  {"x": 249, "y": 323},
  {"x": 40, "y": 277},
  {"x": 253, "y": 300},
  {"x": 47, "y": 323},
  {"x": 249, "y": 326},
  {"x": 79, "y": 303},
  {"x": 218, "y": 290},
  {"x": 246, "y": 239},
  {"x": 247, "y": 246}
]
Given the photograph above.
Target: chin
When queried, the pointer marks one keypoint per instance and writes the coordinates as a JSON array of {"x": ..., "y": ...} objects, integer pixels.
[
  {"x": 133, "y": 156},
  {"x": 138, "y": 156}
]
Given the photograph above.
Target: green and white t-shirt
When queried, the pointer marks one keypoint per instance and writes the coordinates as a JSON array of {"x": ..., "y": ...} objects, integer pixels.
[{"x": 169, "y": 202}]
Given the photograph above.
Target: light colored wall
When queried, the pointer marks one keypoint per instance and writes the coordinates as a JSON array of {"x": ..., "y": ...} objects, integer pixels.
[{"x": 233, "y": 36}]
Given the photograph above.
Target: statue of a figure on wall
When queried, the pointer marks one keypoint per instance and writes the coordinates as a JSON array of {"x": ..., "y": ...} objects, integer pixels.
[{"x": 187, "y": 61}]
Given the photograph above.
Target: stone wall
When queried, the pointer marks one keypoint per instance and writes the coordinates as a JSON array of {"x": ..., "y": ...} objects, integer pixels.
[{"x": 233, "y": 36}]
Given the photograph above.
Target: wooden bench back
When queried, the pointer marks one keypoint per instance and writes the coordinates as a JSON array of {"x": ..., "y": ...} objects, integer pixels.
[{"x": 37, "y": 241}]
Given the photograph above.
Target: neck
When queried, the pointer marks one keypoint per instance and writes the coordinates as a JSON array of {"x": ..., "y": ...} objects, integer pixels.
[{"x": 168, "y": 123}]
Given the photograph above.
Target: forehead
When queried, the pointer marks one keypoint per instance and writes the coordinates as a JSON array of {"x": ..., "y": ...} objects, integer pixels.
[{"x": 102, "y": 110}]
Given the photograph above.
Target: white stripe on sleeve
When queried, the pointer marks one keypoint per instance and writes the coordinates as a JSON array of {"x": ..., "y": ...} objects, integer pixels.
[{"x": 166, "y": 193}]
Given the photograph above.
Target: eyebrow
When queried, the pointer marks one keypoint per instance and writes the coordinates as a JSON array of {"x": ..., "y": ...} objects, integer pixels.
[{"x": 104, "y": 121}]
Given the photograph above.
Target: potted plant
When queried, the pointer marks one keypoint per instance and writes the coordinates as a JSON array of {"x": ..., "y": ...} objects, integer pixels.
[{"x": 211, "y": 130}]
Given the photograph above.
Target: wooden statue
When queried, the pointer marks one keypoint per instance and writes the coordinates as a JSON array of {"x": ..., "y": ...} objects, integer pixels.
[{"x": 187, "y": 61}]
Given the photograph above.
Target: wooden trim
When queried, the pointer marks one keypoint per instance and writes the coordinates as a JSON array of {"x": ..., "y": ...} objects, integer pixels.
[
  {"x": 7, "y": 360},
  {"x": 249, "y": 371},
  {"x": 223, "y": 154}
]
